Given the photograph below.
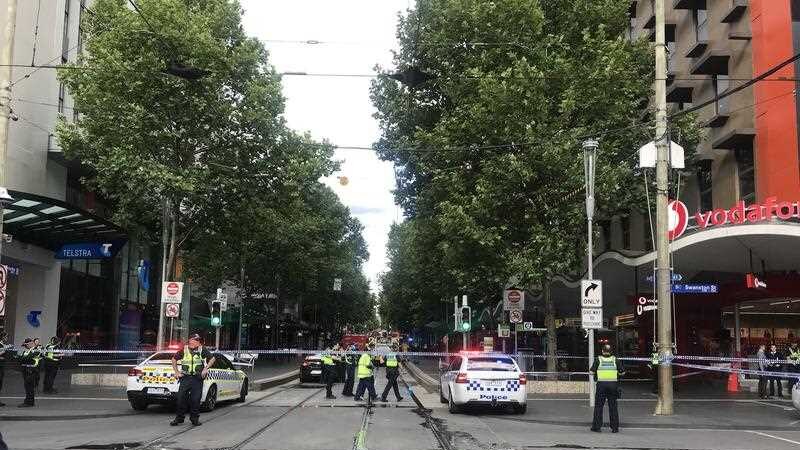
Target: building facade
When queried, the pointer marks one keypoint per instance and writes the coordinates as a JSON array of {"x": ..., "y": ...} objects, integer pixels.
[
  {"x": 72, "y": 272},
  {"x": 740, "y": 188}
]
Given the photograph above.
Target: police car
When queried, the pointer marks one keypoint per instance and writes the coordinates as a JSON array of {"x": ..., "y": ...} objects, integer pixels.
[
  {"x": 483, "y": 379},
  {"x": 153, "y": 382}
]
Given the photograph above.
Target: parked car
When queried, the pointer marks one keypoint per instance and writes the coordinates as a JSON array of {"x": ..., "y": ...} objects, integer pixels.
[
  {"x": 311, "y": 369},
  {"x": 477, "y": 378}
]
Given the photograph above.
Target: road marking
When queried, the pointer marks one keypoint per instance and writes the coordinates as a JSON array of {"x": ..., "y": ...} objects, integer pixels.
[
  {"x": 773, "y": 405},
  {"x": 775, "y": 437}
]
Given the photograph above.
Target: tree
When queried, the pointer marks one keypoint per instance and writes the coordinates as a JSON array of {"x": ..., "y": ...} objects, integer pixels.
[
  {"x": 489, "y": 151},
  {"x": 166, "y": 150}
]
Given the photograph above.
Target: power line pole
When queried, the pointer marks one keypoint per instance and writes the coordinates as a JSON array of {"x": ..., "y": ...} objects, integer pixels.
[{"x": 663, "y": 269}]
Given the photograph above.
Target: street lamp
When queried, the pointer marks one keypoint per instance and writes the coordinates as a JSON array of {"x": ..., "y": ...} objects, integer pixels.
[{"x": 589, "y": 158}]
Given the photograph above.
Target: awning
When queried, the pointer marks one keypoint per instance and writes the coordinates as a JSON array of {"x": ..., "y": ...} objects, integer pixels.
[{"x": 51, "y": 223}]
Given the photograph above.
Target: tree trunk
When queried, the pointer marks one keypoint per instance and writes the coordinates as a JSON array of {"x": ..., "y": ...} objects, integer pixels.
[
  {"x": 173, "y": 225},
  {"x": 550, "y": 323}
]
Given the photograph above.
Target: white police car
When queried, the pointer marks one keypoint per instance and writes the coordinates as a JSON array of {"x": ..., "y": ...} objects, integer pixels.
[
  {"x": 487, "y": 379},
  {"x": 153, "y": 382}
]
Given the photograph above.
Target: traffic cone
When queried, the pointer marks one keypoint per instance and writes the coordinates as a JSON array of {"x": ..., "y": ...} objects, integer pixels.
[{"x": 733, "y": 382}]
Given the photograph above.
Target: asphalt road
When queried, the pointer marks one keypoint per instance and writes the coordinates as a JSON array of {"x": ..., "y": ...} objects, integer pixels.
[{"x": 295, "y": 417}]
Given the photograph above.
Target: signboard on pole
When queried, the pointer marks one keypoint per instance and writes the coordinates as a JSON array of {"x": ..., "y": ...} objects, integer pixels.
[
  {"x": 337, "y": 284},
  {"x": 488, "y": 344},
  {"x": 513, "y": 300},
  {"x": 515, "y": 316},
  {"x": 527, "y": 326},
  {"x": 592, "y": 318},
  {"x": 171, "y": 292},
  {"x": 172, "y": 310},
  {"x": 503, "y": 331},
  {"x": 591, "y": 294}
]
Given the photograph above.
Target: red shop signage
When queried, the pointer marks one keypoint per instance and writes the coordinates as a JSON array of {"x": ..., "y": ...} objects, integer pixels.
[{"x": 740, "y": 213}]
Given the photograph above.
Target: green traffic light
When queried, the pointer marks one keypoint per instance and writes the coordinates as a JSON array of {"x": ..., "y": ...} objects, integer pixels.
[
  {"x": 465, "y": 326},
  {"x": 215, "y": 321}
]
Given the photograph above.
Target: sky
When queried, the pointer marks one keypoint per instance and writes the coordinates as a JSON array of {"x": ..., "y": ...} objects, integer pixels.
[{"x": 354, "y": 36}]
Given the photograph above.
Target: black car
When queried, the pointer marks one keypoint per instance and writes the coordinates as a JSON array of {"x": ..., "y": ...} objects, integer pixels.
[{"x": 311, "y": 369}]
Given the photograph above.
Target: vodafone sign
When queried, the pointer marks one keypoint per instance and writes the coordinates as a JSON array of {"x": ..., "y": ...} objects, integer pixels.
[{"x": 678, "y": 219}]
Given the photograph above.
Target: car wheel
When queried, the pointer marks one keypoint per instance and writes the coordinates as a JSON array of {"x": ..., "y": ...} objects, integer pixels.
[
  {"x": 452, "y": 407},
  {"x": 520, "y": 409},
  {"x": 441, "y": 395},
  {"x": 139, "y": 405},
  {"x": 211, "y": 399},
  {"x": 243, "y": 393}
]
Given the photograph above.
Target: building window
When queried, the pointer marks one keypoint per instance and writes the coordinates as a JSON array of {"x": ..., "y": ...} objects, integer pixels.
[
  {"x": 61, "y": 92},
  {"x": 65, "y": 37},
  {"x": 747, "y": 180},
  {"x": 700, "y": 17},
  {"x": 704, "y": 185},
  {"x": 721, "y": 85}
]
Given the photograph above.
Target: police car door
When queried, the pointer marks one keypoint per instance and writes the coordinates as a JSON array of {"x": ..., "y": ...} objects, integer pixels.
[{"x": 224, "y": 376}]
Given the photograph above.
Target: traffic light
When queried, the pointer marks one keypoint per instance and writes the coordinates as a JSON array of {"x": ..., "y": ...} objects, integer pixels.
[
  {"x": 466, "y": 319},
  {"x": 216, "y": 314}
]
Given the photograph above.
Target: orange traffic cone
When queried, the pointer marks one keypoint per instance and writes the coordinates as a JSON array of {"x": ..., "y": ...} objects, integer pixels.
[{"x": 733, "y": 382}]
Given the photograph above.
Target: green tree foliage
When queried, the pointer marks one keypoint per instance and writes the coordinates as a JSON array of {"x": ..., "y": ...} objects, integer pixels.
[
  {"x": 491, "y": 170},
  {"x": 238, "y": 186}
]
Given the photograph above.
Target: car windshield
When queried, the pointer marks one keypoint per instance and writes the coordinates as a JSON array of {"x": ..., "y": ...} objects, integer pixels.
[
  {"x": 161, "y": 357},
  {"x": 491, "y": 364}
]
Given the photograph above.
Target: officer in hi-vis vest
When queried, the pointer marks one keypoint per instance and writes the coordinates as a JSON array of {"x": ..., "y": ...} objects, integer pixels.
[
  {"x": 195, "y": 361},
  {"x": 329, "y": 372},
  {"x": 606, "y": 370},
  {"x": 392, "y": 373},
  {"x": 51, "y": 362}
]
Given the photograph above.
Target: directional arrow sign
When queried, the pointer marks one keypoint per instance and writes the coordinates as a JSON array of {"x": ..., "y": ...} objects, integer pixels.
[{"x": 591, "y": 294}]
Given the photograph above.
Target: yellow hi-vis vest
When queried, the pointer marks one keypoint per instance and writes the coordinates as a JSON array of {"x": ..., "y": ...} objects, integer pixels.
[
  {"x": 607, "y": 368},
  {"x": 50, "y": 350},
  {"x": 327, "y": 359},
  {"x": 191, "y": 361},
  {"x": 364, "y": 369},
  {"x": 391, "y": 360}
]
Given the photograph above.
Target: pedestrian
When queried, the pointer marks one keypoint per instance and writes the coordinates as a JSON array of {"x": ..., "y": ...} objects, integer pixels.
[
  {"x": 51, "y": 362},
  {"x": 793, "y": 365},
  {"x": 761, "y": 356},
  {"x": 775, "y": 366},
  {"x": 350, "y": 371},
  {"x": 606, "y": 370},
  {"x": 366, "y": 378},
  {"x": 392, "y": 373},
  {"x": 195, "y": 361},
  {"x": 29, "y": 363},
  {"x": 4, "y": 352},
  {"x": 328, "y": 372}
]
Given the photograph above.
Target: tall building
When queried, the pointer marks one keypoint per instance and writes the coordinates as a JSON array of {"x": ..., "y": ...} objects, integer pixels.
[
  {"x": 735, "y": 266},
  {"x": 72, "y": 272}
]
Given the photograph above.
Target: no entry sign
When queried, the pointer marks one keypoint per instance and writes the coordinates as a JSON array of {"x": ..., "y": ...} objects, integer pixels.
[
  {"x": 513, "y": 300},
  {"x": 171, "y": 292}
]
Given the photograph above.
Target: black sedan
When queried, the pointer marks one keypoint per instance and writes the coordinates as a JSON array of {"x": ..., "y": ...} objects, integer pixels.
[{"x": 311, "y": 369}]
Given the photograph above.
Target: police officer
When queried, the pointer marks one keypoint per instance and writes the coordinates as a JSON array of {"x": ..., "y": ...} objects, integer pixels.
[
  {"x": 39, "y": 350},
  {"x": 51, "y": 362},
  {"x": 392, "y": 373},
  {"x": 29, "y": 363},
  {"x": 793, "y": 366},
  {"x": 606, "y": 370},
  {"x": 195, "y": 361},
  {"x": 366, "y": 378},
  {"x": 350, "y": 371},
  {"x": 4, "y": 352},
  {"x": 329, "y": 372}
]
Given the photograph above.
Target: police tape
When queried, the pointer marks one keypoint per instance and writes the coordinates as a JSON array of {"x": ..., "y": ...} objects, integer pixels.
[{"x": 759, "y": 373}]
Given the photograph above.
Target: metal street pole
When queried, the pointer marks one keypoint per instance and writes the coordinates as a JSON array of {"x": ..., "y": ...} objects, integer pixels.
[
  {"x": 6, "y": 60},
  {"x": 241, "y": 310},
  {"x": 216, "y": 338},
  {"x": 663, "y": 269},
  {"x": 589, "y": 157},
  {"x": 164, "y": 242}
]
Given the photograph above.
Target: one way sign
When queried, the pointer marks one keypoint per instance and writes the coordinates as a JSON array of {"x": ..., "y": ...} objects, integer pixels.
[{"x": 591, "y": 294}]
